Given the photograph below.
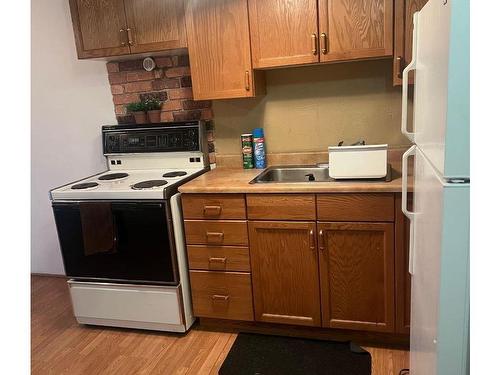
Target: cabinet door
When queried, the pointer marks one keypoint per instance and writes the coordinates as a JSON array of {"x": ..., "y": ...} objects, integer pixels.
[
  {"x": 285, "y": 276},
  {"x": 357, "y": 275},
  {"x": 355, "y": 29},
  {"x": 403, "y": 35},
  {"x": 403, "y": 277},
  {"x": 219, "y": 49},
  {"x": 99, "y": 27},
  {"x": 155, "y": 25},
  {"x": 284, "y": 32}
]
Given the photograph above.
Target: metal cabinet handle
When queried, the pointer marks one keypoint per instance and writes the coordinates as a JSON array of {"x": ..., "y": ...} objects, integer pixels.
[
  {"x": 321, "y": 240},
  {"x": 123, "y": 42},
  {"x": 404, "y": 204},
  {"x": 399, "y": 68},
  {"x": 212, "y": 210},
  {"x": 312, "y": 246},
  {"x": 324, "y": 41},
  {"x": 314, "y": 40},
  {"x": 247, "y": 80},
  {"x": 411, "y": 66},
  {"x": 220, "y": 297},
  {"x": 129, "y": 34},
  {"x": 215, "y": 237}
]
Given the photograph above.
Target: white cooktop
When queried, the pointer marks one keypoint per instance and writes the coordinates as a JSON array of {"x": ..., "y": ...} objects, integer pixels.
[{"x": 122, "y": 188}]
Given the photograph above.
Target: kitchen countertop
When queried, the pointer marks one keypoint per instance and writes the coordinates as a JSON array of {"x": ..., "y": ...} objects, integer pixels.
[{"x": 229, "y": 180}]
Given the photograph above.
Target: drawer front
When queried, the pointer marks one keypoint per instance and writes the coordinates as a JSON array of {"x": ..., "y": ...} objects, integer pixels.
[
  {"x": 281, "y": 206},
  {"x": 222, "y": 295},
  {"x": 216, "y": 232},
  {"x": 218, "y": 258},
  {"x": 213, "y": 206},
  {"x": 356, "y": 207}
]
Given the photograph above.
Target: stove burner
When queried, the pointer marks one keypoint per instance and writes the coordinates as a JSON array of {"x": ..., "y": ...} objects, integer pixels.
[
  {"x": 84, "y": 185},
  {"x": 149, "y": 184},
  {"x": 112, "y": 176},
  {"x": 175, "y": 174}
]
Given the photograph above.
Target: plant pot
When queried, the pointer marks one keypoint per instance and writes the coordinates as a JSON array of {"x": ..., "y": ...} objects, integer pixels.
[
  {"x": 154, "y": 116},
  {"x": 140, "y": 117}
]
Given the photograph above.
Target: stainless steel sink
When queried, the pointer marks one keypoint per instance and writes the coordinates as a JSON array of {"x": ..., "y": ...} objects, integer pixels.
[{"x": 293, "y": 173}]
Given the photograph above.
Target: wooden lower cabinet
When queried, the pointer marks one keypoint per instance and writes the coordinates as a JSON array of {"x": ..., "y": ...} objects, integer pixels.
[
  {"x": 357, "y": 275},
  {"x": 225, "y": 295},
  {"x": 285, "y": 278}
]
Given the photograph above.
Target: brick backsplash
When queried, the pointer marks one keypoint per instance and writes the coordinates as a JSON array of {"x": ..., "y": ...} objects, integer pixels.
[{"x": 169, "y": 82}]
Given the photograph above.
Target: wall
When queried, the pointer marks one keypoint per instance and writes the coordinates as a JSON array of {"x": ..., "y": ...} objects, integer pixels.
[
  {"x": 169, "y": 82},
  {"x": 311, "y": 108},
  {"x": 71, "y": 100}
]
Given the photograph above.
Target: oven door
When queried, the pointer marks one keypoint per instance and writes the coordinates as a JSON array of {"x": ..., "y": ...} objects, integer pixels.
[{"x": 129, "y": 241}]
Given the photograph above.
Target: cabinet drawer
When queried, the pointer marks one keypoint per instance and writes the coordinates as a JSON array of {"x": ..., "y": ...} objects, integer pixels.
[
  {"x": 213, "y": 206},
  {"x": 218, "y": 258},
  {"x": 356, "y": 207},
  {"x": 281, "y": 206},
  {"x": 216, "y": 232},
  {"x": 222, "y": 295}
]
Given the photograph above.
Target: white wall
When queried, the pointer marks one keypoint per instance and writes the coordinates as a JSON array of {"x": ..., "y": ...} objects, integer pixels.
[{"x": 70, "y": 100}]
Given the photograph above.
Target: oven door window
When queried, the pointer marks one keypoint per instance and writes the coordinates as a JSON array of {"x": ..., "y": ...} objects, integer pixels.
[{"x": 116, "y": 241}]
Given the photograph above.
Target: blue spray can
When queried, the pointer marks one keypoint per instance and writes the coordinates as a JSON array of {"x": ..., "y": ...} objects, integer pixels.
[{"x": 259, "y": 149}]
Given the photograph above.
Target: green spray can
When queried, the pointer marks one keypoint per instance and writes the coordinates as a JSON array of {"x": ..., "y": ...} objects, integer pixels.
[{"x": 247, "y": 150}]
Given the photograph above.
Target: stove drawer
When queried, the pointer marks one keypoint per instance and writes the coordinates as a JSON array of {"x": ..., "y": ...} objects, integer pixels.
[
  {"x": 224, "y": 295},
  {"x": 216, "y": 232},
  {"x": 213, "y": 206}
]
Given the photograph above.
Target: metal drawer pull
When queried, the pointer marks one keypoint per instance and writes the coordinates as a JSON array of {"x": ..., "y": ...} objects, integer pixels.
[
  {"x": 247, "y": 80},
  {"x": 215, "y": 237},
  {"x": 217, "y": 260},
  {"x": 123, "y": 43},
  {"x": 311, "y": 240},
  {"x": 216, "y": 264},
  {"x": 212, "y": 210},
  {"x": 220, "y": 297},
  {"x": 324, "y": 48},
  {"x": 129, "y": 34}
]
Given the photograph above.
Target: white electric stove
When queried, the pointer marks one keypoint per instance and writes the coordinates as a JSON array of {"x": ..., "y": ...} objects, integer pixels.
[{"x": 121, "y": 231}]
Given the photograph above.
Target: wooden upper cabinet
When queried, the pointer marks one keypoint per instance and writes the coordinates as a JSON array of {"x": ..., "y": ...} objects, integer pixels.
[
  {"x": 284, "y": 32},
  {"x": 99, "y": 27},
  {"x": 285, "y": 276},
  {"x": 357, "y": 275},
  {"x": 403, "y": 35},
  {"x": 155, "y": 25},
  {"x": 355, "y": 29},
  {"x": 219, "y": 49}
]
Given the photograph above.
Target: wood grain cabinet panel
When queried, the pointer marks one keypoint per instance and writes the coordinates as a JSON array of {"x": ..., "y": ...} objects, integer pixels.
[
  {"x": 403, "y": 277},
  {"x": 219, "y": 49},
  {"x": 218, "y": 258},
  {"x": 355, "y": 29},
  {"x": 356, "y": 207},
  {"x": 357, "y": 275},
  {"x": 285, "y": 272},
  {"x": 281, "y": 206},
  {"x": 283, "y": 32},
  {"x": 403, "y": 35},
  {"x": 225, "y": 295},
  {"x": 97, "y": 25},
  {"x": 213, "y": 206},
  {"x": 216, "y": 232},
  {"x": 155, "y": 25}
]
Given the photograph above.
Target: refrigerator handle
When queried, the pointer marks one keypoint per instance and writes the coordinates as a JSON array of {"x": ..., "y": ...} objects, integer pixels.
[
  {"x": 411, "y": 66},
  {"x": 404, "y": 204}
]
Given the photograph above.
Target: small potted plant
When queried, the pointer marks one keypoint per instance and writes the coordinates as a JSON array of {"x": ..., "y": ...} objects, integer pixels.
[
  {"x": 153, "y": 106},
  {"x": 138, "y": 109}
]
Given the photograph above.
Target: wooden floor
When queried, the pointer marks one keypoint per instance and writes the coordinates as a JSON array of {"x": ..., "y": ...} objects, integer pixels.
[{"x": 60, "y": 346}]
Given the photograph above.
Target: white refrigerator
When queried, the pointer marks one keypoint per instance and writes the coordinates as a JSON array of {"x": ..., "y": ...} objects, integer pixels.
[{"x": 439, "y": 234}]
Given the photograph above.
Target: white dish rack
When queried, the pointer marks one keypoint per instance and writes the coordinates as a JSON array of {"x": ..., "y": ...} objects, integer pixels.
[{"x": 360, "y": 161}]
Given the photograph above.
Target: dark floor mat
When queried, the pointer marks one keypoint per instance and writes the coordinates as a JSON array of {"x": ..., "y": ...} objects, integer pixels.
[{"x": 253, "y": 354}]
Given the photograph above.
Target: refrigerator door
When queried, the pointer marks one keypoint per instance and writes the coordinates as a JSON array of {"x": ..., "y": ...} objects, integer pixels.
[
  {"x": 441, "y": 94},
  {"x": 440, "y": 260}
]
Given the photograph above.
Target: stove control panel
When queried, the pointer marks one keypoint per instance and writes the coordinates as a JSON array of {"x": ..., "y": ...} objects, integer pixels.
[{"x": 170, "y": 137}]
